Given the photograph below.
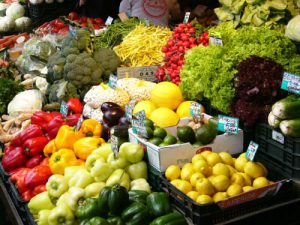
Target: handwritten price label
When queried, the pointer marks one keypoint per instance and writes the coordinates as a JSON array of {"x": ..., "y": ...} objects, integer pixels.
[
  {"x": 291, "y": 83},
  {"x": 112, "y": 82},
  {"x": 129, "y": 110},
  {"x": 195, "y": 111},
  {"x": 251, "y": 150},
  {"x": 109, "y": 21},
  {"x": 228, "y": 124},
  {"x": 139, "y": 128},
  {"x": 64, "y": 109},
  {"x": 141, "y": 115}
]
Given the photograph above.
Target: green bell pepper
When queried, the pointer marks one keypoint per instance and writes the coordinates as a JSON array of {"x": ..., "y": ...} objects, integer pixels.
[
  {"x": 140, "y": 184},
  {"x": 57, "y": 185},
  {"x": 76, "y": 195},
  {"x": 137, "y": 170},
  {"x": 43, "y": 217},
  {"x": 136, "y": 214},
  {"x": 103, "y": 201},
  {"x": 87, "y": 209},
  {"x": 71, "y": 170},
  {"x": 117, "y": 162},
  {"x": 174, "y": 218},
  {"x": 115, "y": 220},
  {"x": 101, "y": 170},
  {"x": 61, "y": 215},
  {"x": 40, "y": 202},
  {"x": 132, "y": 152},
  {"x": 158, "y": 204},
  {"x": 84, "y": 222},
  {"x": 138, "y": 196},
  {"x": 97, "y": 221},
  {"x": 81, "y": 179},
  {"x": 91, "y": 159},
  {"x": 118, "y": 199},
  {"x": 63, "y": 199},
  {"x": 93, "y": 190}
]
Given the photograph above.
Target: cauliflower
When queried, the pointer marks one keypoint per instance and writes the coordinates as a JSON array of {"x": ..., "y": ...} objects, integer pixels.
[
  {"x": 138, "y": 90},
  {"x": 97, "y": 95},
  {"x": 91, "y": 113},
  {"x": 108, "y": 59}
]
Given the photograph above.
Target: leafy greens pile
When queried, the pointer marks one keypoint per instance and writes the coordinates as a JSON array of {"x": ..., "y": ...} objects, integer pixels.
[{"x": 214, "y": 67}]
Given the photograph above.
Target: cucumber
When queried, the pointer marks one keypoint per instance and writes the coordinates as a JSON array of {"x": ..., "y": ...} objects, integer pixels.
[
  {"x": 287, "y": 108},
  {"x": 290, "y": 127},
  {"x": 273, "y": 120}
]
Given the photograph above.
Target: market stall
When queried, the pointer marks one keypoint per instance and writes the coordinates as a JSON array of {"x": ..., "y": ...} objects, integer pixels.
[{"x": 119, "y": 121}]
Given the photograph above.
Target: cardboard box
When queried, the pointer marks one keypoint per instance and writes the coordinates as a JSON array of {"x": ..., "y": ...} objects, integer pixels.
[
  {"x": 144, "y": 72},
  {"x": 162, "y": 157}
]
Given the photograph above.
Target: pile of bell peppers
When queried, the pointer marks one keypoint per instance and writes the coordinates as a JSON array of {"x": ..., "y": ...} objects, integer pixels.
[{"x": 114, "y": 205}]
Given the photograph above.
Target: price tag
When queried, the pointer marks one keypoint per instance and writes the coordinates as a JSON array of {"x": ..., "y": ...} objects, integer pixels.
[
  {"x": 251, "y": 150},
  {"x": 129, "y": 109},
  {"x": 215, "y": 40},
  {"x": 123, "y": 16},
  {"x": 141, "y": 115},
  {"x": 228, "y": 124},
  {"x": 79, "y": 123},
  {"x": 291, "y": 83},
  {"x": 72, "y": 30},
  {"x": 186, "y": 17},
  {"x": 112, "y": 82},
  {"x": 139, "y": 128},
  {"x": 114, "y": 141},
  {"x": 109, "y": 21},
  {"x": 278, "y": 136},
  {"x": 64, "y": 109},
  {"x": 195, "y": 111}
]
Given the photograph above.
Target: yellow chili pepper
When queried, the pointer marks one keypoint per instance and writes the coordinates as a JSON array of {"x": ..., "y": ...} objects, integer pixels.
[
  {"x": 50, "y": 148},
  {"x": 61, "y": 159},
  {"x": 91, "y": 128},
  {"x": 85, "y": 146},
  {"x": 66, "y": 137}
]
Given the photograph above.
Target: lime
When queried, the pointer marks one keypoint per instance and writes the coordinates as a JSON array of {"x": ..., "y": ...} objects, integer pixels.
[
  {"x": 149, "y": 123},
  {"x": 163, "y": 144},
  {"x": 179, "y": 142},
  {"x": 160, "y": 132},
  {"x": 170, "y": 139},
  {"x": 205, "y": 134},
  {"x": 149, "y": 132},
  {"x": 186, "y": 134},
  {"x": 155, "y": 141},
  {"x": 197, "y": 144}
]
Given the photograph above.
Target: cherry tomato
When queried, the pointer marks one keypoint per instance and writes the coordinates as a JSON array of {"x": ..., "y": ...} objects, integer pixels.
[
  {"x": 55, "y": 30},
  {"x": 83, "y": 24},
  {"x": 73, "y": 16},
  {"x": 83, "y": 19},
  {"x": 97, "y": 26},
  {"x": 98, "y": 21}
]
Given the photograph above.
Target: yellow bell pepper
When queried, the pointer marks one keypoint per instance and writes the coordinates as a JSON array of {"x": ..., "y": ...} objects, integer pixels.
[
  {"x": 91, "y": 128},
  {"x": 50, "y": 148},
  {"x": 66, "y": 137},
  {"x": 85, "y": 146},
  {"x": 61, "y": 159}
]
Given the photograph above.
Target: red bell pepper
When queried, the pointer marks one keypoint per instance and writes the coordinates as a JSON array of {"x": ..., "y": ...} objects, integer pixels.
[
  {"x": 72, "y": 120},
  {"x": 54, "y": 125},
  {"x": 37, "y": 176},
  {"x": 31, "y": 132},
  {"x": 34, "y": 161},
  {"x": 14, "y": 159},
  {"x": 18, "y": 179},
  {"x": 8, "y": 149},
  {"x": 45, "y": 162},
  {"x": 27, "y": 195},
  {"x": 35, "y": 146},
  {"x": 39, "y": 189},
  {"x": 75, "y": 106},
  {"x": 41, "y": 119}
]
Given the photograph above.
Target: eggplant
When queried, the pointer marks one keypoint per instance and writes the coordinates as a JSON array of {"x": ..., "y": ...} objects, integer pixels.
[
  {"x": 123, "y": 121},
  {"x": 105, "y": 131},
  {"x": 112, "y": 117},
  {"x": 120, "y": 131},
  {"x": 106, "y": 106}
]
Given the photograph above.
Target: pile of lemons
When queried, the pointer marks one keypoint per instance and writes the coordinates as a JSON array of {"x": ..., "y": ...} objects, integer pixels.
[{"x": 212, "y": 177}]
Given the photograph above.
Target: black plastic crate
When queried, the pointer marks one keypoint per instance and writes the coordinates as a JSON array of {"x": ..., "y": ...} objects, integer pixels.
[
  {"x": 272, "y": 136},
  {"x": 210, "y": 214},
  {"x": 154, "y": 178}
]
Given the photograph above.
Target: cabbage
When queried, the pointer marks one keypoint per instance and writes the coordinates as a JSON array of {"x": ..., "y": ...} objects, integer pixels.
[
  {"x": 6, "y": 24},
  {"x": 15, "y": 11},
  {"x": 39, "y": 48},
  {"x": 293, "y": 29},
  {"x": 23, "y": 23}
]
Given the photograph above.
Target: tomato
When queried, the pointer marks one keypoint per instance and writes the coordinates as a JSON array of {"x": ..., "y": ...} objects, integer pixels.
[
  {"x": 64, "y": 30},
  {"x": 59, "y": 24},
  {"x": 170, "y": 43},
  {"x": 164, "y": 49},
  {"x": 189, "y": 25},
  {"x": 98, "y": 21},
  {"x": 54, "y": 30},
  {"x": 83, "y": 24},
  {"x": 73, "y": 16},
  {"x": 96, "y": 26},
  {"x": 83, "y": 19}
]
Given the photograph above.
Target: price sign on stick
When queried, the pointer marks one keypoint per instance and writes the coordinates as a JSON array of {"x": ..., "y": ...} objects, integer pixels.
[
  {"x": 64, "y": 109},
  {"x": 251, "y": 150},
  {"x": 291, "y": 83},
  {"x": 228, "y": 124}
]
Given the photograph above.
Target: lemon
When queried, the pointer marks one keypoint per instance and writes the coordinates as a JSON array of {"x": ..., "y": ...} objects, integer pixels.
[
  {"x": 264, "y": 168},
  {"x": 197, "y": 157},
  {"x": 172, "y": 172},
  {"x": 260, "y": 182},
  {"x": 204, "y": 187},
  {"x": 187, "y": 171},
  {"x": 243, "y": 155},
  {"x": 146, "y": 105},
  {"x": 247, "y": 179},
  {"x": 184, "y": 186},
  {"x": 234, "y": 189},
  {"x": 164, "y": 117},
  {"x": 193, "y": 195},
  {"x": 205, "y": 154},
  {"x": 195, "y": 177},
  {"x": 221, "y": 169},
  {"x": 247, "y": 188},
  {"x": 254, "y": 170},
  {"x": 200, "y": 166},
  {"x": 240, "y": 163},
  {"x": 175, "y": 182},
  {"x": 219, "y": 196},
  {"x": 232, "y": 170},
  {"x": 210, "y": 178},
  {"x": 183, "y": 109},
  {"x": 204, "y": 199},
  {"x": 213, "y": 158},
  {"x": 238, "y": 178},
  {"x": 166, "y": 94},
  {"x": 226, "y": 158},
  {"x": 220, "y": 182}
]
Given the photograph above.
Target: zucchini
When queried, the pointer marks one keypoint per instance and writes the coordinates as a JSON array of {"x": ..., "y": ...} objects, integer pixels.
[
  {"x": 287, "y": 108},
  {"x": 273, "y": 121},
  {"x": 290, "y": 127}
]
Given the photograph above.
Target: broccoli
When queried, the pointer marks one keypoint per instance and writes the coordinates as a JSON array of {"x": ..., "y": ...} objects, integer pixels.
[
  {"x": 81, "y": 40},
  {"x": 108, "y": 59},
  {"x": 55, "y": 67},
  {"x": 67, "y": 50},
  {"x": 82, "y": 70},
  {"x": 61, "y": 90}
]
